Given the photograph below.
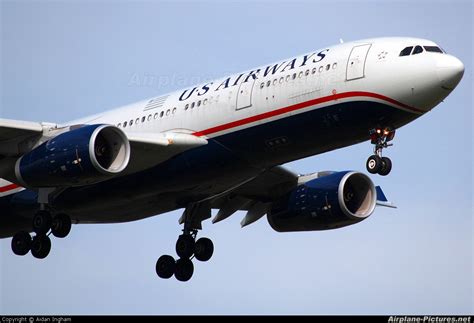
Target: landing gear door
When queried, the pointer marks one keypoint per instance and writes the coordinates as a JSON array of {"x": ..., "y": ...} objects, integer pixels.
[
  {"x": 356, "y": 62},
  {"x": 244, "y": 94}
]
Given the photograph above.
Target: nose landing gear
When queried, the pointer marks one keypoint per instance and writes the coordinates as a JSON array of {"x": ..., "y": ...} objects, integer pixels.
[{"x": 376, "y": 164}]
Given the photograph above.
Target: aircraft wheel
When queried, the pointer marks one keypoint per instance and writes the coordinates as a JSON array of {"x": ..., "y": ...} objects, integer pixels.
[
  {"x": 41, "y": 246},
  {"x": 21, "y": 243},
  {"x": 386, "y": 166},
  {"x": 184, "y": 269},
  {"x": 165, "y": 266},
  {"x": 42, "y": 222},
  {"x": 61, "y": 225},
  {"x": 185, "y": 246},
  {"x": 204, "y": 249},
  {"x": 374, "y": 164}
]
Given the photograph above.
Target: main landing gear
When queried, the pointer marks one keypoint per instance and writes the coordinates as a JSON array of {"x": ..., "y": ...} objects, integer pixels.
[
  {"x": 43, "y": 225},
  {"x": 376, "y": 164},
  {"x": 187, "y": 247}
]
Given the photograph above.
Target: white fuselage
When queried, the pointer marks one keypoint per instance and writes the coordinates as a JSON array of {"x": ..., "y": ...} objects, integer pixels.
[{"x": 242, "y": 100}]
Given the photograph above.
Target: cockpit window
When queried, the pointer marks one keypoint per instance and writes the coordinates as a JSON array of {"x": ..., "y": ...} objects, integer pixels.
[
  {"x": 434, "y": 49},
  {"x": 406, "y": 51},
  {"x": 417, "y": 50}
]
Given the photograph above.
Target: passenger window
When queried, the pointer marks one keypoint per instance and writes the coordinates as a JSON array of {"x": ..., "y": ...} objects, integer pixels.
[
  {"x": 168, "y": 112},
  {"x": 125, "y": 124},
  {"x": 275, "y": 81},
  {"x": 149, "y": 117},
  {"x": 174, "y": 110},
  {"x": 131, "y": 122},
  {"x": 281, "y": 79},
  {"x": 262, "y": 85},
  {"x": 143, "y": 119},
  {"x": 192, "y": 105},
  {"x": 119, "y": 125},
  {"x": 300, "y": 74},
  {"x": 406, "y": 51},
  {"x": 328, "y": 67},
  {"x": 137, "y": 120},
  {"x": 306, "y": 73},
  {"x": 314, "y": 70},
  {"x": 162, "y": 113},
  {"x": 186, "y": 107},
  {"x": 321, "y": 69},
  {"x": 269, "y": 83},
  {"x": 204, "y": 102},
  {"x": 198, "y": 104},
  {"x": 287, "y": 78},
  {"x": 417, "y": 50},
  {"x": 334, "y": 66},
  {"x": 294, "y": 76},
  {"x": 156, "y": 115}
]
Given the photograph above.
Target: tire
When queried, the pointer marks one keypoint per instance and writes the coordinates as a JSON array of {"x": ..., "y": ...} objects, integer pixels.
[
  {"x": 21, "y": 243},
  {"x": 373, "y": 164},
  {"x": 41, "y": 246},
  {"x": 184, "y": 269},
  {"x": 386, "y": 166},
  {"x": 61, "y": 225},
  {"x": 42, "y": 222},
  {"x": 185, "y": 246},
  {"x": 165, "y": 266},
  {"x": 204, "y": 249}
]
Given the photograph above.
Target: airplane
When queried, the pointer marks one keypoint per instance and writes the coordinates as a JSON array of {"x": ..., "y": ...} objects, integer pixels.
[{"x": 220, "y": 146}]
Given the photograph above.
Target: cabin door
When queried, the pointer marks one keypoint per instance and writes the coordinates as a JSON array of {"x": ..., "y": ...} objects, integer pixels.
[{"x": 356, "y": 62}]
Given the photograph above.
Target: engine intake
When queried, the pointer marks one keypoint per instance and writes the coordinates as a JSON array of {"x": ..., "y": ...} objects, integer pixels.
[
  {"x": 82, "y": 156},
  {"x": 329, "y": 202}
]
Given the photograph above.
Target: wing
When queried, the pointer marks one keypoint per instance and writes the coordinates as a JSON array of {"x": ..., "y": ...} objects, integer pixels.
[
  {"x": 150, "y": 149},
  {"x": 256, "y": 195},
  {"x": 15, "y": 136},
  {"x": 147, "y": 149}
]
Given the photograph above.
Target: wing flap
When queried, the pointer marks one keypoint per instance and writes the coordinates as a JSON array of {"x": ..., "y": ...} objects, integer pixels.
[{"x": 254, "y": 196}]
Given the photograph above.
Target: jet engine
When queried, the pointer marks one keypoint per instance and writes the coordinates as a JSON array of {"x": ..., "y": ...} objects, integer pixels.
[
  {"x": 329, "y": 202},
  {"x": 82, "y": 156}
]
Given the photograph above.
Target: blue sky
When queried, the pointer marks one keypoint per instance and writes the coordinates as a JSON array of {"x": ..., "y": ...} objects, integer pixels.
[{"x": 67, "y": 59}]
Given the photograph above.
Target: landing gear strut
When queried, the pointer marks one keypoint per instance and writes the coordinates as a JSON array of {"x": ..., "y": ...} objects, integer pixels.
[
  {"x": 376, "y": 164},
  {"x": 187, "y": 248}
]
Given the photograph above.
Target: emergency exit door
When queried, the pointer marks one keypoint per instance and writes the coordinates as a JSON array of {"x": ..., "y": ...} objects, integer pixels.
[{"x": 244, "y": 95}]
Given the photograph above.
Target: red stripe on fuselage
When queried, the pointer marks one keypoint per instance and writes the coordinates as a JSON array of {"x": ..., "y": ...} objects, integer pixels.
[
  {"x": 8, "y": 188},
  {"x": 303, "y": 105}
]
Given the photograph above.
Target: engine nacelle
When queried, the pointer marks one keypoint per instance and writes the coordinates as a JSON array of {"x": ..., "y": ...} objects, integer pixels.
[
  {"x": 78, "y": 157},
  {"x": 328, "y": 202}
]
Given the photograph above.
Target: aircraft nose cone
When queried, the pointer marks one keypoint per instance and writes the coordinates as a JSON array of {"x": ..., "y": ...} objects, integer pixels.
[{"x": 450, "y": 71}]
